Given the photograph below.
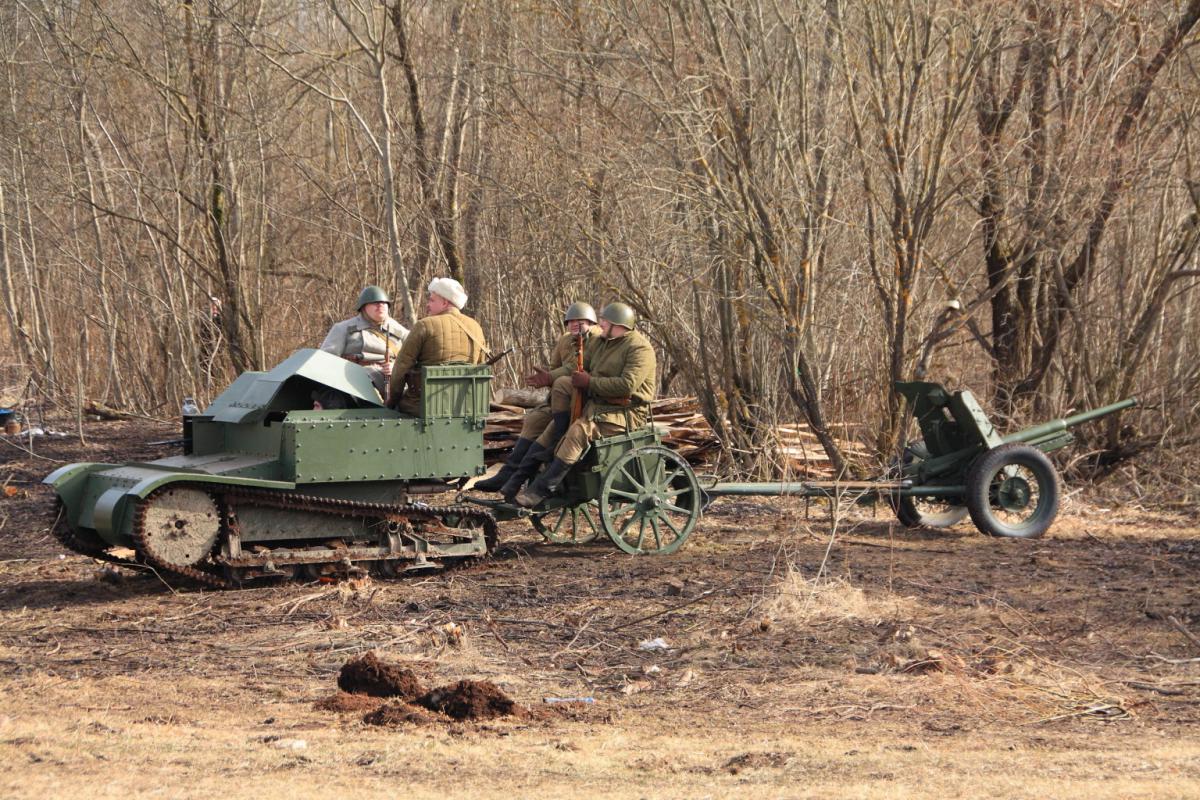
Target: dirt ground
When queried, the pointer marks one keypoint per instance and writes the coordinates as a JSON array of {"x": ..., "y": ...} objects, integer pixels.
[{"x": 781, "y": 653}]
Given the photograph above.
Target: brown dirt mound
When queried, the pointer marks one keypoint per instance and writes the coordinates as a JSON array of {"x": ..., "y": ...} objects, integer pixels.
[
  {"x": 400, "y": 713},
  {"x": 369, "y": 675},
  {"x": 342, "y": 701},
  {"x": 472, "y": 700}
]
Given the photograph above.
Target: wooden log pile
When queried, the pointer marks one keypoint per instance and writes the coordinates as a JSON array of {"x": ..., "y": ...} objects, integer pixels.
[{"x": 685, "y": 430}]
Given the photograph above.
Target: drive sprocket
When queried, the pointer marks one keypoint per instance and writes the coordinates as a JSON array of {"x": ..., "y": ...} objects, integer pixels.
[{"x": 176, "y": 528}]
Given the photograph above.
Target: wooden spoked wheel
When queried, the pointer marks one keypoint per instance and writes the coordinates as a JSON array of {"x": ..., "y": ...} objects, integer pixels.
[{"x": 649, "y": 501}]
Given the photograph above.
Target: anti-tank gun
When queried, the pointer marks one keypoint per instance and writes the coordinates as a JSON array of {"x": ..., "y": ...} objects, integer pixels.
[
  {"x": 269, "y": 487},
  {"x": 962, "y": 465}
]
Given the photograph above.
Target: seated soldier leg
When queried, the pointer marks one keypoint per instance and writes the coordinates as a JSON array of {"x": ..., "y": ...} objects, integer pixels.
[
  {"x": 576, "y": 440},
  {"x": 562, "y": 396},
  {"x": 536, "y": 422},
  {"x": 511, "y": 464},
  {"x": 534, "y": 458}
]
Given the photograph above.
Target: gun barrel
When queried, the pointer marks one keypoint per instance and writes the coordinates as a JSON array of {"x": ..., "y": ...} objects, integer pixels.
[{"x": 1059, "y": 425}]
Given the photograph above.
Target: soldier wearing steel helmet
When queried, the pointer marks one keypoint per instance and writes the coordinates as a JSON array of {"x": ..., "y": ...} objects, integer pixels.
[
  {"x": 536, "y": 442},
  {"x": 618, "y": 381},
  {"x": 370, "y": 338}
]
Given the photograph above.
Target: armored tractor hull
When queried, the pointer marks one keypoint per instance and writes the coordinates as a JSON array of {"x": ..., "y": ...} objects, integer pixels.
[{"x": 269, "y": 487}]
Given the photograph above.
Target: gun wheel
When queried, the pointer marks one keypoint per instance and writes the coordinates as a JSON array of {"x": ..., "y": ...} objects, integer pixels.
[
  {"x": 649, "y": 501},
  {"x": 928, "y": 512},
  {"x": 1013, "y": 491},
  {"x": 922, "y": 512},
  {"x": 578, "y": 524}
]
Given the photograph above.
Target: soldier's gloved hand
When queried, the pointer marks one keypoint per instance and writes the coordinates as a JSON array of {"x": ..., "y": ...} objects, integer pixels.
[
  {"x": 580, "y": 379},
  {"x": 539, "y": 378}
]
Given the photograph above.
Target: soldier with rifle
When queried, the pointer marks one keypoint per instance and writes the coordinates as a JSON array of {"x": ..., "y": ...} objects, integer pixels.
[
  {"x": 370, "y": 338},
  {"x": 542, "y": 428},
  {"x": 617, "y": 381}
]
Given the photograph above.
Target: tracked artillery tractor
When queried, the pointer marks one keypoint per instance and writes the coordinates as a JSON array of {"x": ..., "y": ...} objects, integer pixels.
[
  {"x": 268, "y": 487},
  {"x": 646, "y": 498}
]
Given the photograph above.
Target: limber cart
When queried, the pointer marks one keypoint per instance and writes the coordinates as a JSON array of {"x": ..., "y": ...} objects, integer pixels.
[{"x": 646, "y": 498}]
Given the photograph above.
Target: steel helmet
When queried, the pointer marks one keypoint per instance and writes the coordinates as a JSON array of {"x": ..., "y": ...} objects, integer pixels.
[
  {"x": 580, "y": 310},
  {"x": 619, "y": 314},
  {"x": 372, "y": 294}
]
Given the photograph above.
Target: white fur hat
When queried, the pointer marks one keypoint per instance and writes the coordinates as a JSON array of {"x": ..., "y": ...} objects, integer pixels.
[{"x": 450, "y": 289}]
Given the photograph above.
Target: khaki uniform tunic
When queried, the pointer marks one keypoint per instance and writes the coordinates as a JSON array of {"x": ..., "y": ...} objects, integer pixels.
[
  {"x": 361, "y": 340},
  {"x": 620, "y": 368},
  {"x": 565, "y": 353},
  {"x": 447, "y": 338}
]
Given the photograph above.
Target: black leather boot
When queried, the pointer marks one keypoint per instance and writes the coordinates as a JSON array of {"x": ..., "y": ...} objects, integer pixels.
[
  {"x": 562, "y": 420},
  {"x": 546, "y": 484},
  {"x": 497, "y": 481},
  {"x": 535, "y": 456}
]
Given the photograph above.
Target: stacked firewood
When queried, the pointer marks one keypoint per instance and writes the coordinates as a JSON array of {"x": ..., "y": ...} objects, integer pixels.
[{"x": 684, "y": 430}]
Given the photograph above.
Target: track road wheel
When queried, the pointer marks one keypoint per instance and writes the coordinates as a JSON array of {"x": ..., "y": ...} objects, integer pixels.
[
  {"x": 1013, "y": 491},
  {"x": 569, "y": 524},
  {"x": 649, "y": 501},
  {"x": 480, "y": 523}
]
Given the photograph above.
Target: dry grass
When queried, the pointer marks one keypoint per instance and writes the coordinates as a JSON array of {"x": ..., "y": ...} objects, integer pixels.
[{"x": 799, "y": 600}]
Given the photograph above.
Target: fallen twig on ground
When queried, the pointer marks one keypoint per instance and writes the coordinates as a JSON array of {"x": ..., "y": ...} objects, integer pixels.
[{"x": 1179, "y": 626}]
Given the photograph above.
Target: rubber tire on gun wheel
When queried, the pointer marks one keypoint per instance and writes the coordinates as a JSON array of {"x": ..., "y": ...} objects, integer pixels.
[
  {"x": 908, "y": 508},
  {"x": 981, "y": 482},
  {"x": 911, "y": 515}
]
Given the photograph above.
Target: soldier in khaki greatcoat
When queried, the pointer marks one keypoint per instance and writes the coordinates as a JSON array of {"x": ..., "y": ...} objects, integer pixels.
[
  {"x": 370, "y": 338},
  {"x": 443, "y": 336},
  {"x": 618, "y": 379},
  {"x": 542, "y": 427}
]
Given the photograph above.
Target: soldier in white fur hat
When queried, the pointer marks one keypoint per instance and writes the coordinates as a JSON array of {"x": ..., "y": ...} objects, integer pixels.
[{"x": 443, "y": 336}]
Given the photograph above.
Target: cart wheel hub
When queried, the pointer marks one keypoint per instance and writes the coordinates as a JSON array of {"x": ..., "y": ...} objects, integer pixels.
[
  {"x": 647, "y": 502},
  {"x": 1014, "y": 494}
]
